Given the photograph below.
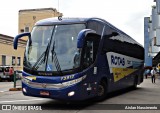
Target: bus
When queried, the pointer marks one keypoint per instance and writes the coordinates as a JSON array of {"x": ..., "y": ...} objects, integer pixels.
[{"x": 78, "y": 59}]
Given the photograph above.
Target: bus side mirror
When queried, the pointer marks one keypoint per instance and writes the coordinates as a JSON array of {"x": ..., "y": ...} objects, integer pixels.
[
  {"x": 82, "y": 35},
  {"x": 15, "y": 40}
]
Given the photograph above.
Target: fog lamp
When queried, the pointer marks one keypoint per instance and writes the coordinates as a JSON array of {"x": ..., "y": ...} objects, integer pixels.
[{"x": 71, "y": 93}]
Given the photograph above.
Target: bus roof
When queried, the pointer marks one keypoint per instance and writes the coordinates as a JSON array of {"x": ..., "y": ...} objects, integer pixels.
[
  {"x": 64, "y": 20},
  {"x": 59, "y": 20}
]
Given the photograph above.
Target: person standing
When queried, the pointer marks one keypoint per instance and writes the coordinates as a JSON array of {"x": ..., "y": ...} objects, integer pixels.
[
  {"x": 153, "y": 73},
  {"x": 11, "y": 73}
]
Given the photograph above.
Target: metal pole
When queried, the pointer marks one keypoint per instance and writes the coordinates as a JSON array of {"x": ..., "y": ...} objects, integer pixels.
[{"x": 14, "y": 79}]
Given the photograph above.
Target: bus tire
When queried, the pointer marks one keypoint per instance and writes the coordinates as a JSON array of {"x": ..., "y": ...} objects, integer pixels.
[
  {"x": 135, "y": 82},
  {"x": 102, "y": 91}
]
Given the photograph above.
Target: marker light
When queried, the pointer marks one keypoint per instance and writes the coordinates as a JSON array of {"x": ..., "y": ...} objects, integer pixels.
[
  {"x": 24, "y": 90},
  {"x": 71, "y": 93}
]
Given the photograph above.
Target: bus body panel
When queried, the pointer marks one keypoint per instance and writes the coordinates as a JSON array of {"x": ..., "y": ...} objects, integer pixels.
[
  {"x": 85, "y": 89},
  {"x": 115, "y": 43}
]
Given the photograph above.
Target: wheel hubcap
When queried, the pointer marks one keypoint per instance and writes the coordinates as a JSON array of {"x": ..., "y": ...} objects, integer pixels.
[{"x": 100, "y": 90}]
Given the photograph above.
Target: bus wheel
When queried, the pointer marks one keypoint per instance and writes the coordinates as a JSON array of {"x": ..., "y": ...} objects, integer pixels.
[
  {"x": 135, "y": 82},
  {"x": 102, "y": 91}
]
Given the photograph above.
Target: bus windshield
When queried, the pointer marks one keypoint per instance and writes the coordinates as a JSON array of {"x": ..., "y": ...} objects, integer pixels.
[{"x": 53, "y": 48}]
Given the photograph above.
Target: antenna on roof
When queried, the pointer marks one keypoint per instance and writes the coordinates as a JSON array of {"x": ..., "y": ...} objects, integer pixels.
[{"x": 58, "y": 6}]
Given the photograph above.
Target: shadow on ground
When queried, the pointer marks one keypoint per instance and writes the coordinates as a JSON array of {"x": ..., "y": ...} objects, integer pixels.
[{"x": 90, "y": 104}]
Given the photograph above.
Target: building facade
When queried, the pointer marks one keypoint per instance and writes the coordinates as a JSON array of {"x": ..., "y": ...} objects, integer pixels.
[
  {"x": 152, "y": 36},
  {"x": 147, "y": 43},
  {"x": 28, "y": 17},
  {"x": 9, "y": 56}
]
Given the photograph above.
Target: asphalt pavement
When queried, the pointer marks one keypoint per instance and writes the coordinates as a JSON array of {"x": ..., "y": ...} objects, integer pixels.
[{"x": 146, "y": 93}]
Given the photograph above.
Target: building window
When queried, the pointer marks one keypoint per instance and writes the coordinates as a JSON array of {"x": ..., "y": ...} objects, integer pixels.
[
  {"x": 18, "y": 61},
  {"x": 3, "y": 60},
  {"x": 26, "y": 29},
  {"x": 22, "y": 30},
  {"x": 13, "y": 60},
  {"x": 34, "y": 17}
]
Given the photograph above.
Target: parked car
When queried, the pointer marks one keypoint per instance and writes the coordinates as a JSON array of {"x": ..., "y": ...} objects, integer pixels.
[{"x": 6, "y": 74}]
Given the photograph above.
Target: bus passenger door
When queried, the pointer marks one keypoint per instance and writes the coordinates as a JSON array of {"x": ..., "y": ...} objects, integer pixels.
[
  {"x": 88, "y": 61},
  {"x": 90, "y": 50}
]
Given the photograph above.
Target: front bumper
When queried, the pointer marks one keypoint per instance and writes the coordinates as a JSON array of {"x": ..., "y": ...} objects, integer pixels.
[{"x": 80, "y": 92}]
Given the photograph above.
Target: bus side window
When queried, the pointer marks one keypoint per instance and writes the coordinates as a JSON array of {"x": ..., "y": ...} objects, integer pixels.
[
  {"x": 90, "y": 49},
  {"x": 88, "y": 56}
]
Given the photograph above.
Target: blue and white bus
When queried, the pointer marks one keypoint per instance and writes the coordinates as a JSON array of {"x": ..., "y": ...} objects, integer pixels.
[{"x": 78, "y": 59}]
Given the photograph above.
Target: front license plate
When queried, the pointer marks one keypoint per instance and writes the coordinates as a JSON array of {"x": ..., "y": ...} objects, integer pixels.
[{"x": 44, "y": 93}]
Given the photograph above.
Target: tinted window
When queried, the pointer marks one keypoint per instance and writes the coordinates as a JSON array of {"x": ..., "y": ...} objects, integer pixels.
[
  {"x": 97, "y": 26},
  {"x": 119, "y": 43}
]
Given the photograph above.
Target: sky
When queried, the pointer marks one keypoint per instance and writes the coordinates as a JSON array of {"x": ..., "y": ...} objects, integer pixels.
[{"x": 127, "y": 15}]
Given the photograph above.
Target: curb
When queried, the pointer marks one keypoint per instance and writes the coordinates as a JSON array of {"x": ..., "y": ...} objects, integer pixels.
[{"x": 15, "y": 89}]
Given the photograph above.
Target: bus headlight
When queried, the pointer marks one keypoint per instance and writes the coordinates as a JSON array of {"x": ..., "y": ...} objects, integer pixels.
[
  {"x": 71, "y": 93},
  {"x": 25, "y": 80},
  {"x": 75, "y": 81},
  {"x": 49, "y": 85}
]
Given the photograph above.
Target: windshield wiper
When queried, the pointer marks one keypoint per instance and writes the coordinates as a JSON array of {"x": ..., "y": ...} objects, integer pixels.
[
  {"x": 55, "y": 59},
  {"x": 42, "y": 58}
]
